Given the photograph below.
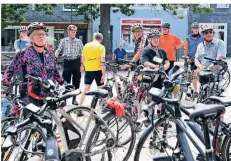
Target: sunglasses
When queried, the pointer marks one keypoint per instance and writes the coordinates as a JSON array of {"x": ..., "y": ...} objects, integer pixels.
[{"x": 208, "y": 31}]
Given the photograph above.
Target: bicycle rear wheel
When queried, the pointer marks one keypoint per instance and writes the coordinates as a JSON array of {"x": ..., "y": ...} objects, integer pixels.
[
  {"x": 226, "y": 149},
  {"x": 156, "y": 140},
  {"x": 100, "y": 134}
]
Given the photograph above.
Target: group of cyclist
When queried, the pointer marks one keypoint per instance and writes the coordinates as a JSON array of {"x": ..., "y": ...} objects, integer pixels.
[
  {"x": 163, "y": 45},
  {"x": 37, "y": 60}
]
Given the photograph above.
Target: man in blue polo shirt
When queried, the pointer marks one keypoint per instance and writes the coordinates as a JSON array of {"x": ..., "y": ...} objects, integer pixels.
[{"x": 119, "y": 53}]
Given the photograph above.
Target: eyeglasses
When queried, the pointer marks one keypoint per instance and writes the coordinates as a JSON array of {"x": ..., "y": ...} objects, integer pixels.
[
  {"x": 208, "y": 31},
  {"x": 40, "y": 35}
]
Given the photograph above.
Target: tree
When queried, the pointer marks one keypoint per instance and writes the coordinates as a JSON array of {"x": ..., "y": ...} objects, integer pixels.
[
  {"x": 14, "y": 13},
  {"x": 93, "y": 11}
]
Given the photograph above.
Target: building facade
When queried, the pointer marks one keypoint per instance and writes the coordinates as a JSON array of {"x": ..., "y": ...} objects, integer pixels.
[
  {"x": 150, "y": 18},
  {"x": 221, "y": 20},
  {"x": 56, "y": 27}
]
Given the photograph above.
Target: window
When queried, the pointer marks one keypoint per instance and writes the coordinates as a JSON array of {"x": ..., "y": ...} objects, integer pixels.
[
  {"x": 205, "y": 5},
  {"x": 126, "y": 36},
  {"x": 223, "y": 5},
  {"x": 33, "y": 6},
  {"x": 67, "y": 8},
  {"x": 58, "y": 35},
  {"x": 8, "y": 36}
]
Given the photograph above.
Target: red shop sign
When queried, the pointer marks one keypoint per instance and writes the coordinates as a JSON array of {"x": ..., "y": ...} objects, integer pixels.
[
  {"x": 130, "y": 21},
  {"x": 156, "y": 22}
]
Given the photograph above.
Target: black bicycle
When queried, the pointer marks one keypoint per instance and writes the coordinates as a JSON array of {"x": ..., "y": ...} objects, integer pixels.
[
  {"x": 213, "y": 83},
  {"x": 156, "y": 138}
]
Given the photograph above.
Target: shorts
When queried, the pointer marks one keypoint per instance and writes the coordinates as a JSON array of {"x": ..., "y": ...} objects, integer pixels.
[{"x": 90, "y": 76}]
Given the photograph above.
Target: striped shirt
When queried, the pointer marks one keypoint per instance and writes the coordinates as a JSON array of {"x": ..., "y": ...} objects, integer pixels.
[{"x": 72, "y": 49}]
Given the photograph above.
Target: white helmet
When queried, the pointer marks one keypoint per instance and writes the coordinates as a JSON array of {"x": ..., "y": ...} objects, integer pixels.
[
  {"x": 22, "y": 28},
  {"x": 205, "y": 27},
  {"x": 72, "y": 27}
]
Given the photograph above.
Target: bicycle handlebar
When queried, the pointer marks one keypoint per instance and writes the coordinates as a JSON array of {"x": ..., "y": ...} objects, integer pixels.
[
  {"x": 39, "y": 80},
  {"x": 10, "y": 57}
]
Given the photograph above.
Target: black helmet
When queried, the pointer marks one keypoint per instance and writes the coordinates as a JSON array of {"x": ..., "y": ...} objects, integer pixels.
[
  {"x": 195, "y": 25},
  {"x": 35, "y": 26},
  {"x": 166, "y": 25},
  {"x": 72, "y": 27},
  {"x": 153, "y": 33},
  {"x": 136, "y": 26}
]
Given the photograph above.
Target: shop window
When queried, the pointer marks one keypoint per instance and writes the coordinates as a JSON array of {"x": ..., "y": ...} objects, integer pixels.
[{"x": 127, "y": 36}]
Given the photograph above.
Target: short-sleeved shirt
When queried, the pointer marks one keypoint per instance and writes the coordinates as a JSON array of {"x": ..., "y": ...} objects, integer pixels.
[
  {"x": 191, "y": 44},
  {"x": 72, "y": 49},
  {"x": 92, "y": 53},
  {"x": 169, "y": 43},
  {"x": 138, "y": 44},
  {"x": 212, "y": 50},
  {"x": 120, "y": 53},
  {"x": 21, "y": 44},
  {"x": 148, "y": 54}
]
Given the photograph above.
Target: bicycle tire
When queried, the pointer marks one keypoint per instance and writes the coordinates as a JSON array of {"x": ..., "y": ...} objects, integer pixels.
[
  {"x": 97, "y": 130},
  {"x": 37, "y": 129},
  {"x": 9, "y": 150},
  {"x": 145, "y": 136},
  {"x": 226, "y": 149},
  {"x": 11, "y": 120}
]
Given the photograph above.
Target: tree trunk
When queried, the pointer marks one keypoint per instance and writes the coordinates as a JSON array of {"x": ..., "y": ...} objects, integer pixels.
[{"x": 105, "y": 25}]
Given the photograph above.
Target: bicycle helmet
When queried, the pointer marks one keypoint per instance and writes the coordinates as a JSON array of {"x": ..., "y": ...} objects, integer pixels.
[
  {"x": 153, "y": 33},
  {"x": 22, "y": 28},
  {"x": 166, "y": 25},
  {"x": 35, "y": 26},
  {"x": 205, "y": 27},
  {"x": 136, "y": 26},
  {"x": 195, "y": 25},
  {"x": 72, "y": 27}
]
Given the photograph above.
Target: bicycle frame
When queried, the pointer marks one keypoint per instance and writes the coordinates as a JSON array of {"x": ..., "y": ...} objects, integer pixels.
[
  {"x": 92, "y": 115},
  {"x": 184, "y": 129}
]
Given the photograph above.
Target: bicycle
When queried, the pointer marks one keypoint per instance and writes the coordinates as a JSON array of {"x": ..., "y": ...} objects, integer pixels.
[
  {"x": 172, "y": 113},
  {"x": 210, "y": 83},
  {"x": 92, "y": 117}
]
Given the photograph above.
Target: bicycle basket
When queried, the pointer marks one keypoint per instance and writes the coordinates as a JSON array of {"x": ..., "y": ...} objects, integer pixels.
[
  {"x": 117, "y": 105},
  {"x": 205, "y": 77}
]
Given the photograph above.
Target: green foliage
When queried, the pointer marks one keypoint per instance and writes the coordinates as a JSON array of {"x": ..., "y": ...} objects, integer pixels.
[
  {"x": 14, "y": 13},
  {"x": 196, "y": 8}
]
